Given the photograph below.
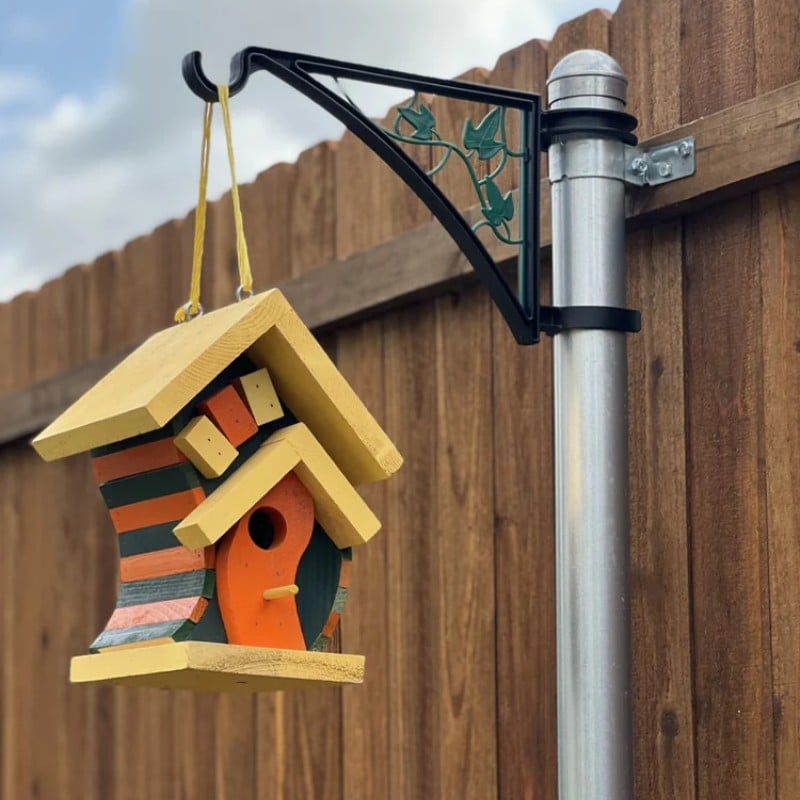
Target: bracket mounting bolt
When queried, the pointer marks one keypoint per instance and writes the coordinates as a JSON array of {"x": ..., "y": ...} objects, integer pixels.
[
  {"x": 665, "y": 169},
  {"x": 639, "y": 166},
  {"x": 685, "y": 149}
]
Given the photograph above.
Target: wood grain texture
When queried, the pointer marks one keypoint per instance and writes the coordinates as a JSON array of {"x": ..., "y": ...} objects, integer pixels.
[
  {"x": 202, "y": 442},
  {"x": 204, "y": 666},
  {"x": 190, "y": 608},
  {"x": 164, "y": 562},
  {"x": 735, "y": 752},
  {"x": 227, "y": 410},
  {"x": 777, "y": 32},
  {"x": 135, "y": 460},
  {"x": 413, "y": 603},
  {"x": 135, "y": 489},
  {"x": 366, "y": 713},
  {"x": 157, "y": 511},
  {"x": 663, "y": 718},
  {"x": 464, "y": 477},
  {"x": 258, "y": 392},
  {"x": 735, "y": 749},
  {"x": 523, "y": 528},
  {"x": 780, "y": 287}
]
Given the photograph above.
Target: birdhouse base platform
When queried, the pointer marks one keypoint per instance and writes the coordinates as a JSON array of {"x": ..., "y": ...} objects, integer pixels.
[{"x": 210, "y": 667}]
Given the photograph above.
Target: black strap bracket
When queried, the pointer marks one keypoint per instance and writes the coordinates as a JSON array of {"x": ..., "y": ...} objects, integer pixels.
[{"x": 555, "y": 319}]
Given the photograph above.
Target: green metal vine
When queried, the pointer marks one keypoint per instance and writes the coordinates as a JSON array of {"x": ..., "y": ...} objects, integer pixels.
[{"x": 415, "y": 124}]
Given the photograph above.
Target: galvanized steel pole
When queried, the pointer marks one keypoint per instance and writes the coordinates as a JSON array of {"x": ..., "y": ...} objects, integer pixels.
[{"x": 590, "y": 385}]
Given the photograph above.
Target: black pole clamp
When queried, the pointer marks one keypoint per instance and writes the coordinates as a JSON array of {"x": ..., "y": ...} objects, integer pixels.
[{"x": 554, "y": 319}]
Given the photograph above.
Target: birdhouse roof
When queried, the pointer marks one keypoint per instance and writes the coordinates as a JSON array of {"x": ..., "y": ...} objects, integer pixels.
[{"x": 149, "y": 387}]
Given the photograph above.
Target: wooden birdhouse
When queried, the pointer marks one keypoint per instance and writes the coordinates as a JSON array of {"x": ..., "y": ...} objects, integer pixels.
[{"x": 227, "y": 450}]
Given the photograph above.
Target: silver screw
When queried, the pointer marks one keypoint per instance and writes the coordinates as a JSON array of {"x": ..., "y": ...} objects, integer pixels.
[
  {"x": 665, "y": 169},
  {"x": 639, "y": 166},
  {"x": 685, "y": 148}
]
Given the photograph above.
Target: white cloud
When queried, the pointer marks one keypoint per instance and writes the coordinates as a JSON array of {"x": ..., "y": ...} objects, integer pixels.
[
  {"x": 94, "y": 171},
  {"x": 16, "y": 87}
]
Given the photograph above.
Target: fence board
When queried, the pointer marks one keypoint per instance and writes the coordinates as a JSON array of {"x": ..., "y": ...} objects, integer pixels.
[
  {"x": 777, "y": 42},
  {"x": 735, "y": 752},
  {"x": 660, "y": 600},
  {"x": 365, "y": 711},
  {"x": 412, "y": 584},
  {"x": 734, "y": 744},
  {"x": 780, "y": 286},
  {"x": 524, "y": 577}
]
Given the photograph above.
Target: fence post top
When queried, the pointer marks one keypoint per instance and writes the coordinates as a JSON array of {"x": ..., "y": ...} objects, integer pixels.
[{"x": 587, "y": 79}]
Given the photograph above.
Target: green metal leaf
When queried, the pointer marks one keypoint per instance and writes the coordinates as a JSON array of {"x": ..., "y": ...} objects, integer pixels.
[
  {"x": 500, "y": 206},
  {"x": 422, "y": 121},
  {"x": 480, "y": 138}
]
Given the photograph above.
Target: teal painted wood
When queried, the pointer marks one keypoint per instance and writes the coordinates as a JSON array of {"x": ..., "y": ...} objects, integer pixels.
[
  {"x": 322, "y": 641},
  {"x": 210, "y": 628},
  {"x": 179, "y": 630},
  {"x": 201, "y": 583},
  {"x": 148, "y": 540},
  {"x": 147, "y": 485},
  {"x": 318, "y": 579}
]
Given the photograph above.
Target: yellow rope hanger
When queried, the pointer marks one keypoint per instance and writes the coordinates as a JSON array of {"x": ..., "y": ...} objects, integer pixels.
[{"x": 193, "y": 307}]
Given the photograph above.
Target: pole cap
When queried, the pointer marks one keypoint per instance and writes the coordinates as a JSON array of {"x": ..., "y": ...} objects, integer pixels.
[{"x": 587, "y": 79}]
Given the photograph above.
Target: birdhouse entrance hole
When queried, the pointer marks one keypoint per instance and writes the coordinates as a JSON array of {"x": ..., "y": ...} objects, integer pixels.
[{"x": 267, "y": 528}]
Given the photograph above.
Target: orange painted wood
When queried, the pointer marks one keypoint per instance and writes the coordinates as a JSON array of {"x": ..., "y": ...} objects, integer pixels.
[
  {"x": 172, "y": 507},
  {"x": 165, "y": 562},
  {"x": 245, "y": 570},
  {"x": 345, "y": 574},
  {"x": 135, "y": 460},
  {"x": 230, "y": 414},
  {"x": 190, "y": 608}
]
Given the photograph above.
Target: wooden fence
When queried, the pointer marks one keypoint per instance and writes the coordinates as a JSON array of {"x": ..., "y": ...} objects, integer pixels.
[{"x": 453, "y": 604}]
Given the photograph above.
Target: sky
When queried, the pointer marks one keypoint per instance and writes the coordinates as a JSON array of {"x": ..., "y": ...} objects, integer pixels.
[{"x": 99, "y": 136}]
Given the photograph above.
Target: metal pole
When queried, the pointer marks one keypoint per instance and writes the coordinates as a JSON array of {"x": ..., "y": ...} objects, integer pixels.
[{"x": 591, "y": 460}]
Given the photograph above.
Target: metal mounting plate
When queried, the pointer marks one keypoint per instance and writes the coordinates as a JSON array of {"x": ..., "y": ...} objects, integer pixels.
[{"x": 663, "y": 164}]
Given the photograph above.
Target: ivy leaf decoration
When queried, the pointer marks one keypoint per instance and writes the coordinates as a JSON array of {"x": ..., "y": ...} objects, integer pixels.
[
  {"x": 423, "y": 122},
  {"x": 481, "y": 138},
  {"x": 500, "y": 207}
]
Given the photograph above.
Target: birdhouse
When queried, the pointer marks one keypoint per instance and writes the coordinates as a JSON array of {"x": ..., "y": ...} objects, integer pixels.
[{"x": 227, "y": 450}]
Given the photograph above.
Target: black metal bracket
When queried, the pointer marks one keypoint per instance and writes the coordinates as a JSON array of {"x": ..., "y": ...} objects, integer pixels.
[{"x": 522, "y": 311}]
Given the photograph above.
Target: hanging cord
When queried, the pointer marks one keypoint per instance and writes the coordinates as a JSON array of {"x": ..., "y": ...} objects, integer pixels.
[
  {"x": 193, "y": 308},
  {"x": 245, "y": 275}
]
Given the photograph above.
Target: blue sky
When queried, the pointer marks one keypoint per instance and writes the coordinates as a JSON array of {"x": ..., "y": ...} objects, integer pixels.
[
  {"x": 99, "y": 136},
  {"x": 64, "y": 45}
]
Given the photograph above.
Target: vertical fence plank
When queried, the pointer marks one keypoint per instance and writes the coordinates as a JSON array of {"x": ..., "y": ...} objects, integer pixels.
[
  {"x": 19, "y": 611},
  {"x": 523, "y": 519},
  {"x": 314, "y": 203},
  {"x": 735, "y": 746},
  {"x": 660, "y": 599},
  {"x": 780, "y": 249},
  {"x": 777, "y": 43},
  {"x": 372, "y": 205},
  {"x": 365, "y": 709},
  {"x": 590, "y": 30},
  {"x": 735, "y": 751},
  {"x": 414, "y": 611}
]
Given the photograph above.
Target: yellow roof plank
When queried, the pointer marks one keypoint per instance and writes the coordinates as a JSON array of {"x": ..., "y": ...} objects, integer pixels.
[
  {"x": 341, "y": 511},
  {"x": 153, "y": 383}
]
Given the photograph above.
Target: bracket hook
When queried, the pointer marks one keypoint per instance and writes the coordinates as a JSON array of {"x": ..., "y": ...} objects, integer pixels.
[{"x": 199, "y": 83}]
